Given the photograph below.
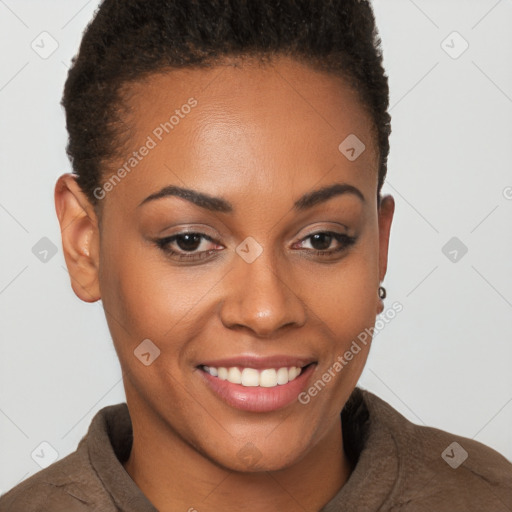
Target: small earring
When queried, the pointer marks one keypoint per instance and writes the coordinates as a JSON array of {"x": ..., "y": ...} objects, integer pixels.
[{"x": 382, "y": 292}]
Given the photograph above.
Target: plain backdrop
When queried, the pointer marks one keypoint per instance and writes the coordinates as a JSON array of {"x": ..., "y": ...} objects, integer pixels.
[{"x": 443, "y": 361}]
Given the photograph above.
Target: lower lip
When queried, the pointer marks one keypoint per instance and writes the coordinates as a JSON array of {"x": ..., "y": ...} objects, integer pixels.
[{"x": 256, "y": 398}]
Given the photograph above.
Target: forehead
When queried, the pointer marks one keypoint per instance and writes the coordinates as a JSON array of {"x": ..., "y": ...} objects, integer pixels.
[{"x": 276, "y": 125}]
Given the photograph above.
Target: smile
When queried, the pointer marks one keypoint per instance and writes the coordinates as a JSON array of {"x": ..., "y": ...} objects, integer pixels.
[
  {"x": 251, "y": 377},
  {"x": 262, "y": 389}
]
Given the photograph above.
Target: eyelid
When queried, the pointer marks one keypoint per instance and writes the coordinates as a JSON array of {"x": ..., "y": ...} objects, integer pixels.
[
  {"x": 321, "y": 227},
  {"x": 215, "y": 236},
  {"x": 183, "y": 229}
]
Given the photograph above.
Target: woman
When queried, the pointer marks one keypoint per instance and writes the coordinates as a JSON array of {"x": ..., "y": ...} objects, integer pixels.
[{"x": 226, "y": 208}]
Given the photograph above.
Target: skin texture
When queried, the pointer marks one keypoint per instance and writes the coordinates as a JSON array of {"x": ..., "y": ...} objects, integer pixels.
[{"x": 259, "y": 137}]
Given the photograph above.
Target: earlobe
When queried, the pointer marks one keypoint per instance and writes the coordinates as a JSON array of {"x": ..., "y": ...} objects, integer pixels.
[{"x": 80, "y": 237}]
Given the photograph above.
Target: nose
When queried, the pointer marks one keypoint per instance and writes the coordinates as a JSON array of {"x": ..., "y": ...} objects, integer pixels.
[{"x": 261, "y": 299}]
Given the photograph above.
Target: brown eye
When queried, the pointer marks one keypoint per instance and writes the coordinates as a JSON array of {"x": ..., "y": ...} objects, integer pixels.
[
  {"x": 185, "y": 246},
  {"x": 188, "y": 241},
  {"x": 322, "y": 240}
]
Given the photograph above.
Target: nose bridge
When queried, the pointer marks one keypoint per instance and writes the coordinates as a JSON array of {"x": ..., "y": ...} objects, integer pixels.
[{"x": 259, "y": 296}]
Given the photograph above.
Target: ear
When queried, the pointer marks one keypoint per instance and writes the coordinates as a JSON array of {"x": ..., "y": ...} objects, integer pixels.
[
  {"x": 80, "y": 237},
  {"x": 386, "y": 211}
]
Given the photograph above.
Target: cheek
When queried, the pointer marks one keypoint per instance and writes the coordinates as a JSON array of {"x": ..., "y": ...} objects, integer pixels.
[
  {"x": 346, "y": 301},
  {"x": 346, "y": 295},
  {"x": 144, "y": 296}
]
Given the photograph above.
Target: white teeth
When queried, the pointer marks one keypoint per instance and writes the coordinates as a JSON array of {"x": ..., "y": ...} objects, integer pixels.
[
  {"x": 282, "y": 376},
  {"x": 234, "y": 375},
  {"x": 250, "y": 377},
  {"x": 293, "y": 372},
  {"x": 268, "y": 378}
]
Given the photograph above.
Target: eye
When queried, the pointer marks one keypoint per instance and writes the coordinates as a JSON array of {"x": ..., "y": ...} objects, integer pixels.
[
  {"x": 194, "y": 246},
  {"x": 185, "y": 246},
  {"x": 322, "y": 242}
]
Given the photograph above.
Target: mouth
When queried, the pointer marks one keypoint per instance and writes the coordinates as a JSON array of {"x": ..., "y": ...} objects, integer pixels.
[
  {"x": 252, "y": 377},
  {"x": 257, "y": 385}
]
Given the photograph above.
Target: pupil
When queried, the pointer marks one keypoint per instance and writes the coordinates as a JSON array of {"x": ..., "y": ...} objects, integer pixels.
[
  {"x": 324, "y": 239},
  {"x": 189, "y": 242}
]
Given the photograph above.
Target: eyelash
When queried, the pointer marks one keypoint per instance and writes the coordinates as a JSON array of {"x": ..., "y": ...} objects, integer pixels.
[{"x": 345, "y": 240}]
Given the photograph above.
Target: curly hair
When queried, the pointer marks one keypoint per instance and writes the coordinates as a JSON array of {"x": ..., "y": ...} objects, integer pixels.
[{"x": 128, "y": 40}]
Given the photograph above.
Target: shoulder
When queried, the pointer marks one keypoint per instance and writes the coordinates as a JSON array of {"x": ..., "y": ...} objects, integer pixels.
[
  {"x": 438, "y": 470},
  {"x": 69, "y": 485}
]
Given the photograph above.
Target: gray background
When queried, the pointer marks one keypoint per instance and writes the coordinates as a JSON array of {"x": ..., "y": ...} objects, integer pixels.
[{"x": 444, "y": 361}]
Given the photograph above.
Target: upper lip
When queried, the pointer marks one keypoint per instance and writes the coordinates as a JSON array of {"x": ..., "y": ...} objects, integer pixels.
[{"x": 257, "y": 362}]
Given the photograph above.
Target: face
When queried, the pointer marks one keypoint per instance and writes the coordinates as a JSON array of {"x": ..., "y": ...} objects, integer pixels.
[{"x": 216, "y": 245}]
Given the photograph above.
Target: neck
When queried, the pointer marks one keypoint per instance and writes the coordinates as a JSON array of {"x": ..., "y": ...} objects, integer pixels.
[{"x": 174, "y": 476}]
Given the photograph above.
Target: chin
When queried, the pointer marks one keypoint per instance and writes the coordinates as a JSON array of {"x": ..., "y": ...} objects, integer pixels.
[{"x": 258, "y": 456}]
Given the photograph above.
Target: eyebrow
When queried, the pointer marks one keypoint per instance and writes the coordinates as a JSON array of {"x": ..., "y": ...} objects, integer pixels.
[{"x": 217, "y": 204}]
